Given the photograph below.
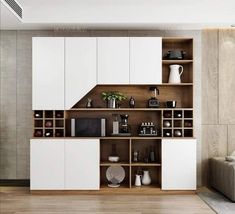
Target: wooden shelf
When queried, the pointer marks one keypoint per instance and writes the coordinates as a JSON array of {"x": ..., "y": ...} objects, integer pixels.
[
  {"x": 183, "y": 61},
  {"x": 177, "y": 39},
  {"x": 143, "y": 187},
  {"x": 114, "y": 164},
  {"x": 145, "y": 164},
  {"x": 180, "y": 84},
  {"x": 126, "y": 109}
]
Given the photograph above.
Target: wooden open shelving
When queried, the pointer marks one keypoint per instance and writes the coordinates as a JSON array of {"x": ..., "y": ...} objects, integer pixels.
[{"x": 125, "y": 149}]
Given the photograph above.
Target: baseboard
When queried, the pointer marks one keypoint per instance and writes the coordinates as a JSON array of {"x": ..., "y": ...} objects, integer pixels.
[{"x": 15, "y": 182}]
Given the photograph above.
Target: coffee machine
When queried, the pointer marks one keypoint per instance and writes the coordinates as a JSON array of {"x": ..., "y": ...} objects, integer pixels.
[
  {"x": 121, "y": 128},
  {"x": 124, "y": 128},
  {"x": 153, "y": 102}
]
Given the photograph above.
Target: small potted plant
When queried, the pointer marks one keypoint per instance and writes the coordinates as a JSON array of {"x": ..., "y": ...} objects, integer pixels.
[{"x": 112, "y": 97}]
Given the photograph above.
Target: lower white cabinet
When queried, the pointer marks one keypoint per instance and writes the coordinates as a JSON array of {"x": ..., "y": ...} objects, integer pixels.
[
  {"x": 82, "y": 158},
  {"x": 179, "y": 164},
  {"x": 46, "y": 164},
  {"x": 61, "y": 164}
]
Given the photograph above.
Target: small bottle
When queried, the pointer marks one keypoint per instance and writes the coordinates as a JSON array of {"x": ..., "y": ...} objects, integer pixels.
[
  {"x": 152, "y": 154},
  {"x": 132, "y": 102}
]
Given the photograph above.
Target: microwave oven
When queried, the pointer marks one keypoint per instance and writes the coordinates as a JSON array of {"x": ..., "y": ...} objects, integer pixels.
[{"x": 86, "y": 127}]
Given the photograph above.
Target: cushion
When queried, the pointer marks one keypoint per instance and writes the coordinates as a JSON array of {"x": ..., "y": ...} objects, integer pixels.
[{"x": 230, "y": 158}]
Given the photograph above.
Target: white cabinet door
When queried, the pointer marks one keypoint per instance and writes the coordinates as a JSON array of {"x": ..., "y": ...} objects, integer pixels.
[
  {"x": 179, "y": 164},
  {"x": 145, "y": 60},
  {"x": 113, "y": 60},
  {"x": 80, "y": 68},
  {"x": 48, "y": 73},
  {"x": 46, "y": 164},
  {"x": 82, "y": 159}
]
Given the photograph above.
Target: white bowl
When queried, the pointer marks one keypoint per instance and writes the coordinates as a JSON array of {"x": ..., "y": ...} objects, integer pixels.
[{"x": 113, "y": 158}]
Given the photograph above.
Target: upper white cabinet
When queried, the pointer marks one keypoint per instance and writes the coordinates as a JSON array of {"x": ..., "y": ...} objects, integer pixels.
[
  {"x": 82, "y": 171},
  {"x": 48, "y": 73},
  {"x": 66, "y": 69},
  {"x": 80, "y": 68},
  {"x": 145, "y": 60},
  {"x": 46, "y": 164},
  {"x": 113, "y": 60},
  {"x": 179, "y": 164}
]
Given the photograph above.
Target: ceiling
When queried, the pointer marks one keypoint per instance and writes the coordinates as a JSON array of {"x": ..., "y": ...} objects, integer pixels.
[{"x": 121, "y": 14}]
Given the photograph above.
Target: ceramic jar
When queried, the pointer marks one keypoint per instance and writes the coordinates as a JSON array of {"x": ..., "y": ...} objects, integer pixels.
[
  {"x": 138, "y": 180},
  {"x": 146, "y": 179}
]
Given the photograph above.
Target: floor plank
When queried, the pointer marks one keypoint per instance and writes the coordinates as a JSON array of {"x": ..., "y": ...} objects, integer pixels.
[{"x": 19, "y": 201}]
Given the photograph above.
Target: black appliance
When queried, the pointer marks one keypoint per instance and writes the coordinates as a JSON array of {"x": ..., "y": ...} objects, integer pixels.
[
  {"x": 86, "y": 127},
  {"x": 153, "y": 102}
]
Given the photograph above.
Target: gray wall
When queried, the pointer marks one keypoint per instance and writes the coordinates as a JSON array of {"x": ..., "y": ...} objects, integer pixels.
[{"x": 16, "y": 114}]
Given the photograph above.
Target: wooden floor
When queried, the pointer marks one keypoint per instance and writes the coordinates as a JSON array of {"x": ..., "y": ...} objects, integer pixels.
[{"x": 19, "y": 201}]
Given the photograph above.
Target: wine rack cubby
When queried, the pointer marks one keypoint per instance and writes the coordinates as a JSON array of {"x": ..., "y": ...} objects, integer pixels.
[
  {"x": 177, "y": 123},
  {"x": 49, "y": 123}
]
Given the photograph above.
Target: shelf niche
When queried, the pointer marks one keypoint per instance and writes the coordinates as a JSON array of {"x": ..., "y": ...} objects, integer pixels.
[{"x": 141, "y": 94}]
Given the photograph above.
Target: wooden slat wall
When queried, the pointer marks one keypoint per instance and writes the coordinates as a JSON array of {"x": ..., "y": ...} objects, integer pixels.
[
  {"x": 227, "y": 76},
  {"x": 210, "y": 77},
  {"x": 218, "y": 98}
]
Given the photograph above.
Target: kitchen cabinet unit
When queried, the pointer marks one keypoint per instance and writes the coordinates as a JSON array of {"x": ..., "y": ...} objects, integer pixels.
[
  {"x": 179, "y": 164},
  {"x": 160, "y": 140},
  {"x": 80, "y": 68},
  {"x": 46, "y": 164},
  {"x": 145, "y": 60},
  {"x": 82, "y": 159},
  {"x": 113, "y": 60},
  {"x": 71, "y": 164},
  {"x": 48, "y": 73}
]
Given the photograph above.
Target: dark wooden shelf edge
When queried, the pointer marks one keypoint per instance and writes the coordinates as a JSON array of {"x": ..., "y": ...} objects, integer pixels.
[
  {"x": 127, "y": 109},
  {"x": 113, "y": 138}
]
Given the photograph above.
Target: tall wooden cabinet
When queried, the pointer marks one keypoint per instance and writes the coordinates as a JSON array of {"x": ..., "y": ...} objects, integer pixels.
[{"x": 68, "y": 71}]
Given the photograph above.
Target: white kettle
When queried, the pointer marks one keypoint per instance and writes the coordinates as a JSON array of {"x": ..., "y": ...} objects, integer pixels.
[{"x": 175, "y": 73}]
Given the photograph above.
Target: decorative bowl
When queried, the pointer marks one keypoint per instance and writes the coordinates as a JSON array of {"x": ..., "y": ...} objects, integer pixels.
[{"x": 113, "y": 158}]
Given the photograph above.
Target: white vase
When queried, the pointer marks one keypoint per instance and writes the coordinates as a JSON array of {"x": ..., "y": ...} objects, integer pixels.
[
  {"x": 138, "y": 180},
  {"x": 146, "y": 180}
]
